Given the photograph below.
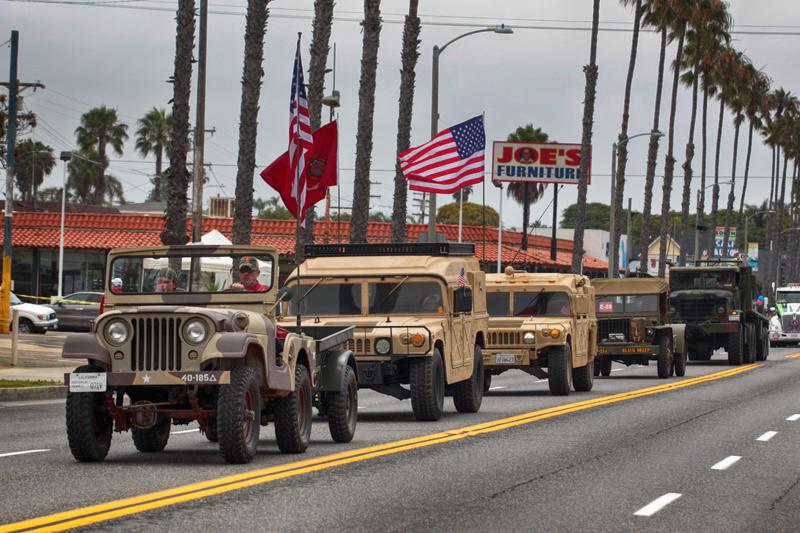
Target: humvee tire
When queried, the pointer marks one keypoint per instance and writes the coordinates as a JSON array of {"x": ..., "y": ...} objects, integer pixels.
[
  {"x": 605, "y": 367},
  {"x": 559, "y": 370},
  {"x": 293, "y": 414},
  {"x": 665, "y": 360},
  {"x": 89, "y": 428},
  {"x": 487, "y": 381},
  {"x": 239, "y": 416},
  {"x": 735, "y": 347},
  {"x": 426, "y": 376},
  {"x": 583, "y": 377},
  {"x": 152, "y": 439},
  {"x": 468, "y": 394},
  {"x": 341, "y": 408}
]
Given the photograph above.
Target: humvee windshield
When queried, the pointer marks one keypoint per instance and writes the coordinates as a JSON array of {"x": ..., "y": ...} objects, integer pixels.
[
  {"x": 405, "y": 297},
  {"x": 190, "y": 274},
  {"x": 709, "y": 279},
  {"x": 636, "y": 303},
  {"x": 497, "y": 303},
  {"x": 541, "y": 304},
  {"x": 327, "y": 299},
  {"x": 788, "y": 297}
]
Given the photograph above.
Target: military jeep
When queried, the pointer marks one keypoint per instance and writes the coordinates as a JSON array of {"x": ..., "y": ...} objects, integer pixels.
[
  {"x": 419, "y": 313},
  {"x": 542, "y": 324},
  {"x": 188, "y": 334},
  {"x": 632, "y": 326}
]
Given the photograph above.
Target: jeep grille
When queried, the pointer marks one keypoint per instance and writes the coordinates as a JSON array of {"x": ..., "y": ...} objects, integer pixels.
[
  {"x": 614, "y": 325},
  {"x": 156, "y": 344},
  {"x": 359, "y": 346},
  {"x": 505, "y": 338}
]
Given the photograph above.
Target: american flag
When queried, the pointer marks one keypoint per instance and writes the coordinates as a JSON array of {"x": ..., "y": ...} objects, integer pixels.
[
  {"x": 461, "y": 279},
  {"x": 300, "y": 138},
  {"x": 451, "y": 160}
]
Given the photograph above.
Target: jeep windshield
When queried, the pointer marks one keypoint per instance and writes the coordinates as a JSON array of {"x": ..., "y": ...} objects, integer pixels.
[
  {"x": 190, "y": 274},
  {"x": 409, "y": 298},
  {"x": 541, "y": 304},
  {"x": 635, "y": 303},
  {"x": 701, "y": 279},
  {"x": 786, "y": 297},
  {"x": 325, "y": 298}
]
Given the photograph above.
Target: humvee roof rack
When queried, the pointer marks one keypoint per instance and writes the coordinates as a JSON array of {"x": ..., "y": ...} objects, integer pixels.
[{"x": 394, "y": 248}]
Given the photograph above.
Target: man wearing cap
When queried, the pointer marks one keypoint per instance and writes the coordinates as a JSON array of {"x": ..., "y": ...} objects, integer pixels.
[
  {"x": 248, "y": 276},
  {"x": 166, "y": 280}
]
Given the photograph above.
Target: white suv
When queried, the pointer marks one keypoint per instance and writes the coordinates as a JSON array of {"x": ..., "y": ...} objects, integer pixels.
[{"x": 34, "y": 318}]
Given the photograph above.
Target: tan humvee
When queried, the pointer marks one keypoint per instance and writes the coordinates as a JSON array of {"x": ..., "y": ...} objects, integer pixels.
[
  {"x": 419, "y": 312},
  {"x": 540, "y": 321},
  {"x": 633, "y": 326},
  {"x": 189, "y": 333}
]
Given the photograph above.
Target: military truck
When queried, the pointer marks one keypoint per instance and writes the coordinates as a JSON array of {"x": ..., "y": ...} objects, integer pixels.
[
  {"x": 784, "y": 326},
  {"x": 190, "y": 335},
  {"x": 419, "y": 311},
  {"x": 715, "y": 301},
  {"x": 633, "y": 328},
  {"x": 542, "y": 324}
]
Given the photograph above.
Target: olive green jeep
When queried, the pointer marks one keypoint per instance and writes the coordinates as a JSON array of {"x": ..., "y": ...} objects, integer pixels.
[{"x": 188, "y": 334}]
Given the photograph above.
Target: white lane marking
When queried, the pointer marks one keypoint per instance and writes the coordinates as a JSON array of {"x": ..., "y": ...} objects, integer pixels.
[
  {"x": 618, "y": 370},
  {"x": 793, "y": 418},
  {"x": 766, "y": 436},
  {"x": 360, "y": 407},
  {"x": 184, "y": 431},
  {"x": 9, "y": 454},
  {"x": 540, "y": 381},
  {"x": 498, "y": 387},
  {"x": 656, "y": 505},
  {"x": 726, "y": 463}
]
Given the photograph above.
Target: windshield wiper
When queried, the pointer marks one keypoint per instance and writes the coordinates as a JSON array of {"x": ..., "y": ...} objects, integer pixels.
[
  {"x": 394, "y": 289},
  {"x": 303, "y": 297},
  {"x": 534, "y": 299}
]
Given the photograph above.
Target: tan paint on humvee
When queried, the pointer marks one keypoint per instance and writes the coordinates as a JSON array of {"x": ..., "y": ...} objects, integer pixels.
[
  {"x": 507, "y": 333},
  {"x": 455, "y": 336}
]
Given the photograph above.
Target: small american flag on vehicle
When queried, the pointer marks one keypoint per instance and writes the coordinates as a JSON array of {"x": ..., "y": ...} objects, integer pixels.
[
  {"x": 450, "y": 161},
  {"x": 461, "y": 279}
]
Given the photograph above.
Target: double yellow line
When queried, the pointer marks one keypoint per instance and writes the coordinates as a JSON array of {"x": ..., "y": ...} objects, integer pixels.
[
  {"x": 155, "y": 500},
  {"x": 793, "y": 356}
]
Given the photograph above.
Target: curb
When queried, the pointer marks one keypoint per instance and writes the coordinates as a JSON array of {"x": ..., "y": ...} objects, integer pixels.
[{"x": 32, "y": 393}]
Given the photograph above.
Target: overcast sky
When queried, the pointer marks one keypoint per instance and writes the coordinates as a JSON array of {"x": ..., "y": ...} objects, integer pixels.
[{"x": 93, "y": 55}]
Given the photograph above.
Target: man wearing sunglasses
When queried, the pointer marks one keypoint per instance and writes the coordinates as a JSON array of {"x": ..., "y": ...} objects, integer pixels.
[{"x": 248, "y": 276}]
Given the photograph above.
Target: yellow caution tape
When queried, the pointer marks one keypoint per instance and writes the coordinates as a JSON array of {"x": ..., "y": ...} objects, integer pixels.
[{"x": 50, "y": 298}]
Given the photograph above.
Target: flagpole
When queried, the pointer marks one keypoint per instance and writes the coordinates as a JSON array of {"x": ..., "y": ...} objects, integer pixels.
[
  {"x": 460, "y": 212},
  {"x": 299, "y": 153},
  {"x": 500, "y": 231}
]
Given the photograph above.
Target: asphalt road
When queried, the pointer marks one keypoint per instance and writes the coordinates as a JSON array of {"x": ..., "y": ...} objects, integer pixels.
[{"x": 589, "y": 461}]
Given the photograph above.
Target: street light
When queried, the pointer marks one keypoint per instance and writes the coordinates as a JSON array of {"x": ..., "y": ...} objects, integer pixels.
[
  {"x": 437, "y": 51},
  {"x": 697, "y": 222},
  {"x": 613, "y": 245},
  {"x": 65, "y": 157}
]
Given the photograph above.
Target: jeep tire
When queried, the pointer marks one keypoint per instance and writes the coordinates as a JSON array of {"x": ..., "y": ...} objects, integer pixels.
[
  {"x": 426, "y": 376},
  {"x": 559, "y": 370},
  {"x": 664, "y": 361},
  {"x": 341, "y": 408},
  {"x": 293, "y": 414},
  {"x": 735, "y": 347},
  {"x": 152, "y": 439},
  {"x": 89, "y": 426},
  {"x": 468, "y": 394},
  {"x": 487, "y": 381},
  {"x": 211, "y": 430},
  {"x": 679, "y": 363},
  {"x": 239, "y": 416}
]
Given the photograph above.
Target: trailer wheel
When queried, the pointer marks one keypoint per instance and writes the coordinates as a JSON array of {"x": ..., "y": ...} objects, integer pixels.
[
  {"x": 665, "y": 360},
  {"x": 341, "y": 408}
]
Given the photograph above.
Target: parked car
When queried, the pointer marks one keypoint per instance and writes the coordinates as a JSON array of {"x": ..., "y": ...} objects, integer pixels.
[
  {"x": 33, "y": 318},
  {"x": 77, "y": 310}
]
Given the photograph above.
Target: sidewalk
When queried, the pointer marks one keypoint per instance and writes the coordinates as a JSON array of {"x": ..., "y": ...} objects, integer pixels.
[{"x": 38, "y": 359}]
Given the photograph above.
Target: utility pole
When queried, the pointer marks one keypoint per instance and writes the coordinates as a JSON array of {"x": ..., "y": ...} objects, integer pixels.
[
  {"x": 628, "y": 248},
  {"x": 199, "y": 131},
  {"x": 5, "y": 288}
]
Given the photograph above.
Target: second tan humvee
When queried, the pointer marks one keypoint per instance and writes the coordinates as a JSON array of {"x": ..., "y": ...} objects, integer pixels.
[
  {"x": 419, "y": 311},
  {"x": 542, "y": 324}
]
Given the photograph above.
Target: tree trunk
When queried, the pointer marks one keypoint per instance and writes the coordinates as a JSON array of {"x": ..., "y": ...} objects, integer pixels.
[
  {"x": 252, "y": 72},
  {"x": 732, "y": 192},
  {"x": 771, "y": 205},
  {"x": 100, "y": 179},
  {"x": 712, "y": 226},
  {"x": 526, "y": 215},
  {"x": 175, "y": 222},
  {"x": 669, "y": 164},
  {"x": 652, "y": 156},
  {"x": 687, "y": 164},
  {"x": 794, "y": 256},
  {"x": 740, "y": 217},
  {"x": 409, "y": 57},
  {"x": 622, "y": 143},
  {"x": 701, "y": 201},
  {"x": 366, "y": 109},
  {"x": 157, "y": 177},
  {"x": 778, "y": 226}
]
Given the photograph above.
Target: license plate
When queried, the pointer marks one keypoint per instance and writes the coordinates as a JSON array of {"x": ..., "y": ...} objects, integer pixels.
[
  {"x": 503, "y": 359},
  {"x": 87, "y": 382},
  {"x": 733, "y": 318}
]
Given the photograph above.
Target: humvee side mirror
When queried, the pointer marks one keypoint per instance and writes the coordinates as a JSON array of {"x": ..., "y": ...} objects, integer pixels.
[{"x": 462, "y": 300}]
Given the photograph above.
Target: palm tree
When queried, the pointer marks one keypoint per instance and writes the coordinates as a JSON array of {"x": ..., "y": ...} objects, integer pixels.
[
  {"x": 178, "y": 183},
  {"x": 463, "y": 194},
  {"x": 524, "y": 193},
  {"x": 252, "y": 72},
  {"x": 152, "y": 137},
  {"x": 82, "y": 180},
  {"x": 622, "y": 144},
  {"x": 321, "y": 36},
  {"x": 409, "y": 57},
  {"x": 100, "y": 127},
  {"x": 366, "y": 109},
  {"x": 34, "y": 161},
  {"x": 737, "y": 71},
  {"x": 590, "y": 92}
]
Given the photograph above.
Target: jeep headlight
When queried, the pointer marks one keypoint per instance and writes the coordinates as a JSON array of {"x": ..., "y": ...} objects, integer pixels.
[
  {"x": 383, "y": 346},
  {"x": 195, "y": 331},
  {"x": 116, "y": 332},
  {"x": 528, "y": 338}
]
